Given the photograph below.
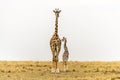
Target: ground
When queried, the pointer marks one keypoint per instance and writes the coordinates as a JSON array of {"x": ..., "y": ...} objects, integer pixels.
[{"x": 39, "y": 70}]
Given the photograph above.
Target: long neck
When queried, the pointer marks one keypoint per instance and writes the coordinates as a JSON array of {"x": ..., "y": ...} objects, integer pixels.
[
  {"x": 65, "y": 46},
  {"x": 56, "y": 25}
]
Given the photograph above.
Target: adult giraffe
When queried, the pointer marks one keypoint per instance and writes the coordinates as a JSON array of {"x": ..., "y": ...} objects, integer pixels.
[{"x": 55, "y": 44}]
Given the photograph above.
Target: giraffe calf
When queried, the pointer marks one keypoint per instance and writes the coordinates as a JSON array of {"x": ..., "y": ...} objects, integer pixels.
[{"x": 65, "y": 54}]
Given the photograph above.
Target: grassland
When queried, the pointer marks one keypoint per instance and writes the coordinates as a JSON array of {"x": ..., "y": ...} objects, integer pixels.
[{"x": 30, "y": 70}]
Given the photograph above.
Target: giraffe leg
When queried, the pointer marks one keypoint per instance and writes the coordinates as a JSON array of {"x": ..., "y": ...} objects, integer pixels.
[
  {"x": 53, "y": 60},
  {"x": 56, "y": 67},
  {"x": 57, "y": 54},
  {"x": 65, "y": 66},
  {"x": 53, "y": 65}
]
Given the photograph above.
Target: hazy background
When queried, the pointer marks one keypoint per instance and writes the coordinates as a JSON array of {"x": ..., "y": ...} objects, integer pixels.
[{"x": 92, "y": 28}]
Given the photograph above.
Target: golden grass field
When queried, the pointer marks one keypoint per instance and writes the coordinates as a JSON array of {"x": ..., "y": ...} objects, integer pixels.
[{"x": 35, "y": 70}]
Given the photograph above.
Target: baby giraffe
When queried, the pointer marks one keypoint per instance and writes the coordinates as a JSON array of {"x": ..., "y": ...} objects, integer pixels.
[{"x": 65, "y": 55}]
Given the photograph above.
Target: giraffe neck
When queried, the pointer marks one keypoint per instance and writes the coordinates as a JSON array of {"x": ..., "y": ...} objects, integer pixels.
[
  {"x": 65, "y": 46},
  {"x": 56, "y": 25}
]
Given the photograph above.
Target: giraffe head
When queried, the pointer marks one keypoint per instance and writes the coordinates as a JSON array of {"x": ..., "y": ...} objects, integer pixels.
[
  {"x": 57, "y": 11},
  {"x": 63, "y": 39}
]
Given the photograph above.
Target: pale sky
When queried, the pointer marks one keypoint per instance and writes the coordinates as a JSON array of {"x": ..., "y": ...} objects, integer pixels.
[{"x": 92, "y": 28}]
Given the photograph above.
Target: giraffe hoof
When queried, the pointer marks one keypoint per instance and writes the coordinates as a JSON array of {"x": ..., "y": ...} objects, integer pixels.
[
  {"x": 52, "y": 70},
  {"x": 57, "y": 71}
]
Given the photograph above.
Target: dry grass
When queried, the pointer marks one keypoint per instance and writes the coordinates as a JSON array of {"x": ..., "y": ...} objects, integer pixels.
[{"x": 29, "y": 70}]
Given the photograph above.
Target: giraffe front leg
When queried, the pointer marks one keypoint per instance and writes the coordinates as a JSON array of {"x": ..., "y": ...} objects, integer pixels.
[
  {"x": 57, "y": 54},
  {"x": 53, "y": 65},
  {"x": 56, "y": 65},
  {"x": 65, "y": 66}
]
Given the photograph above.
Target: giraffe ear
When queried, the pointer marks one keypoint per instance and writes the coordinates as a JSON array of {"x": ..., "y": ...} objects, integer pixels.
[
  {"x": 54, "y": 11},
  {"x": 59, "y": 11}
]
